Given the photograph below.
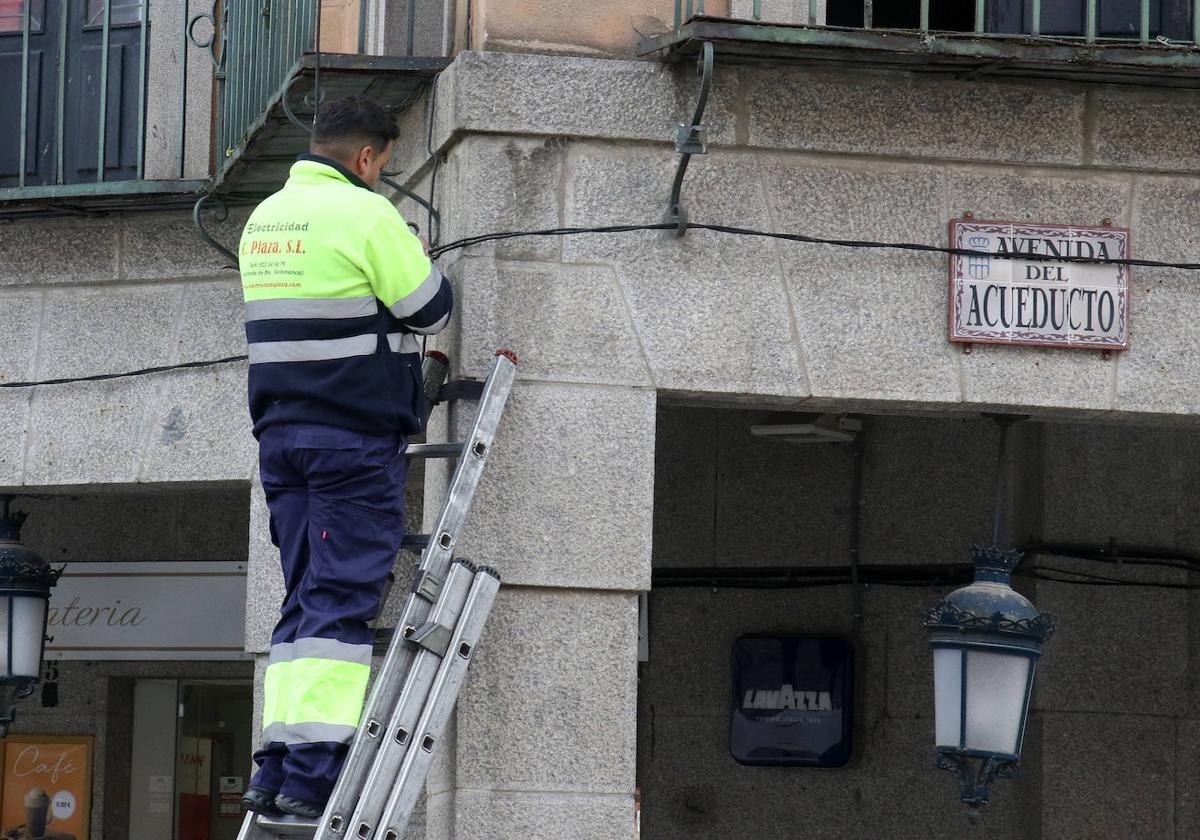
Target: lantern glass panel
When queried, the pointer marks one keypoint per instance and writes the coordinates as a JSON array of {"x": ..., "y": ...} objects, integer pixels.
[
  {"x": 29, "y": 628},
  {"x": 5, "y": 647},
  {"x": 25, "y": 647},
  {"x": 947, "y": 689},
  {"x": 996, "y": 696}
]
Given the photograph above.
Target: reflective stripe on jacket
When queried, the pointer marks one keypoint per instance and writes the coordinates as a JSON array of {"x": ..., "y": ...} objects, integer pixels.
[{"x": 338, "y": 291}]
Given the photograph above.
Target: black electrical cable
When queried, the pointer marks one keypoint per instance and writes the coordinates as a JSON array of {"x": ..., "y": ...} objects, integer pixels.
[
  {"x": 611, "y": 229},
  {"x": 809, "y": 240},
  {"x": 1085, "y": 579},
  {"x": 932, "y": 581},
  {"x": 101, "y": 377}
]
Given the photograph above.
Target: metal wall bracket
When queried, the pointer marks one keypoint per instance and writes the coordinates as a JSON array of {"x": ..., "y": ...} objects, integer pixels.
[
  {"x": 434, "y": 214},
  {"x": 691, "y": 139},
  {"x": 976, "y": 774},
  {"x": 203, "y": 231},
  {"x": 460, "y": 389}
]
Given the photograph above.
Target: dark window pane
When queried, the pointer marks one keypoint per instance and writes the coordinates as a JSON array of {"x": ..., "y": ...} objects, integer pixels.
[
  {"x": 898, "y": 14},
  {"x": 944, "y": 15},
  {"x": 12, "y": 15},
  {"x": 124, "y": 12},
  {"x": 1015, "y": 17},
  {"x": 1115, "y": 18},
  {"x": 844, "y": 13},
  {"x": 951, "y": 16}
]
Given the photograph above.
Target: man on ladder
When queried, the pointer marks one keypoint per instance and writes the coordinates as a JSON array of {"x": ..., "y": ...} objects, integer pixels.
[{"x": 337, "y": 290}]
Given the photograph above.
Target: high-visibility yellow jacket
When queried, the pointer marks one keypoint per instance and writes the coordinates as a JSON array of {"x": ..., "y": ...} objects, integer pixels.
[{"x": 337, "y": 290}]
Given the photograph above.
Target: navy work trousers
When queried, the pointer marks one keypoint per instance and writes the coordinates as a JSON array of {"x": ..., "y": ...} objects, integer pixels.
[{"x": 336, "y": 499}]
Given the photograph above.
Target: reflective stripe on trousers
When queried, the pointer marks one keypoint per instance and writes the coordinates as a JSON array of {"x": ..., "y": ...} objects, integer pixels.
[
  {"x": 337, "y": 515},
  {"x": 313, "y": 691}
]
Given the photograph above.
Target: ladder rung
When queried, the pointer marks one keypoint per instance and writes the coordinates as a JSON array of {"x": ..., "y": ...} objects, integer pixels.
[
  {"x": 286, "y": 826},
  {"x": 435, "y": 450},
  {"x": 383, "y": 638},
  {"x": 460, "y": 389},
  {"x": 414, "y": 541}
]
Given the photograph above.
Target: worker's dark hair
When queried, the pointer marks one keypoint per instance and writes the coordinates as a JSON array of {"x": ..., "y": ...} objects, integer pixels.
[{"x": 345, "y": 126}]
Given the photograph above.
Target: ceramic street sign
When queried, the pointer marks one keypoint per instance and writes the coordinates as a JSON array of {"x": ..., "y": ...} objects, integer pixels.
[{"x": 1044, "y": 301}]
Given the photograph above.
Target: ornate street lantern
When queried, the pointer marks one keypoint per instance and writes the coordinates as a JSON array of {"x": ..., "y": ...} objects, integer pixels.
[
  {"x": 986, "y": 640},
  {"x": 25, "y": 583}
]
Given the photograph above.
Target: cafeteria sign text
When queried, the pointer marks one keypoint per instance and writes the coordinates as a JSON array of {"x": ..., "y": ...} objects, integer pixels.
[{"x": 996, "y": 297}]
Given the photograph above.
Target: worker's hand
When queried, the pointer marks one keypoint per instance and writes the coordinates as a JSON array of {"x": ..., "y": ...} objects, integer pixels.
[{"x": 424, "y": 244}]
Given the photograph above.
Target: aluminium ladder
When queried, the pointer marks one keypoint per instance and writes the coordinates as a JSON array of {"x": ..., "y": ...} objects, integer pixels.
[{"x": 414, "y": 692}]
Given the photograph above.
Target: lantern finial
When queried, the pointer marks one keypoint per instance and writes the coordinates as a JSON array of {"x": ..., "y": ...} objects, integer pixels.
[{"x": 992, "y": 563}]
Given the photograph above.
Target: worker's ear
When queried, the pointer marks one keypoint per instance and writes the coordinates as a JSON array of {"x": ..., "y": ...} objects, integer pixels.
[{"x": 364, "y": 159}]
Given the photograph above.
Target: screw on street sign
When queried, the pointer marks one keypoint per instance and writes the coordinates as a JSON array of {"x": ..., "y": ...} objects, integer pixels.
[{"x": 996, "y": 297}]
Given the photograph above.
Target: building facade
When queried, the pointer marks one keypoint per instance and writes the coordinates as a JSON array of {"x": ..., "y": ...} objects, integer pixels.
[{"x": 640, "y": 525}]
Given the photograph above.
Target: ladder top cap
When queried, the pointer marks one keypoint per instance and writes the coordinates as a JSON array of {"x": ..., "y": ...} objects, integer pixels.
[
  {"x": 508, "y": 354},
  {"x": 438, "y": 356}
]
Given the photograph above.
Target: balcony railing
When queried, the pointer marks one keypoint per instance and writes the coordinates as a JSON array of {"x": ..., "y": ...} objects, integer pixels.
[
  {"x": 1091, "y": 21},
  {"x": 260, "y": 43},
  {"x": 103, "y": 99},
  {"x": 1139, "y": 42},
  {"x": 112, "y": 99}
]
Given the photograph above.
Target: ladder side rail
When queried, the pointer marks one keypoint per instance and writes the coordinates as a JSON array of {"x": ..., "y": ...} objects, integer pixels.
[
  {"x": 388, "y": 689},
  {"x": 435, "y": 560},
  {"x": 396, "y": 735},
  {"x": 365, "y": 746},
  {"x": 407, "y": 784},
  {"x": 478, "y": 445}
]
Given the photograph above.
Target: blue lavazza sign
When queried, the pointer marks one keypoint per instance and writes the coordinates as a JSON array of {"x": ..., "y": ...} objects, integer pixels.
[{"x": 792, "y": 700}]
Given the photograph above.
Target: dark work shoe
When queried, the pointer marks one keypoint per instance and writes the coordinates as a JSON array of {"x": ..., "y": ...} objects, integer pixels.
[
  {"x": 298, "y": 807},
  {"x": 259, "y": 800}
]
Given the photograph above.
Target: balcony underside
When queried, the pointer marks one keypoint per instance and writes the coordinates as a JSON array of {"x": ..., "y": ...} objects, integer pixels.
[
  {"x": 260, "y": 164},
  {"x": 1004, "y": 56}
]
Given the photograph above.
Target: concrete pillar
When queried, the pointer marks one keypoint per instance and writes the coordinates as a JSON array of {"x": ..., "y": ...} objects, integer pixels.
[{"x": 543, "y": 741}]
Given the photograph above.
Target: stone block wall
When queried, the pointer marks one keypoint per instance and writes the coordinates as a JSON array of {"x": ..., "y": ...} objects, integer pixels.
[
  {"x": 143, "y": 468},
  {"x": 601, "y": 321},
  {"x": 610, "y": 327},
  {"x": 566, "y": 26},
  {"x": 532, "y": 142},
  {"x": 110, "y": 295}
]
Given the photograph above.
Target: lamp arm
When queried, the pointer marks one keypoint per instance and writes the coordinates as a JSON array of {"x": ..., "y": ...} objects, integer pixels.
[
  {"x": 976, "y": 774},
  {"x": 9, "y": 715}
]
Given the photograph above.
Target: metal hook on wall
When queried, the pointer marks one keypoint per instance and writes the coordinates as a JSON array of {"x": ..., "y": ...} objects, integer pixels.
[
  {"x": 434, "y": 214},
  {"x": 691, "y": 140},
  {"x": 203, "y": 231}
]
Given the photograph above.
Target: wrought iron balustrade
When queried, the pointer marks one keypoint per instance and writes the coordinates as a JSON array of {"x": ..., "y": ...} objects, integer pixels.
[
  {"x": 1130, "y": 42},
  {"x": 116, "y": 100},
  {"x": 98, "y": 101},
  {"x": 1090, "y": 21}
]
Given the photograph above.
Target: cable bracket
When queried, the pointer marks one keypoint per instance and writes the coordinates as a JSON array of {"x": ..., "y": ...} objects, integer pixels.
[
  {"x": 203, "y": 231},
  {"x": 691, "y": 139}
]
